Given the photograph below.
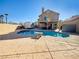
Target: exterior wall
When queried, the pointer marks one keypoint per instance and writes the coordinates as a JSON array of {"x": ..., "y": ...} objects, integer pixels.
[
  {"x": 69, "y": 28},
  {"x": 52, "y": 17},
  {"x": 54, "y": 25},
  {"x": 41, "y": 24},
  {"x": 67, "y": 25},
  {"x": 7, "y": 28},
  {"x": 71, "y": 22},
  {"x": 77, "y": 26}
]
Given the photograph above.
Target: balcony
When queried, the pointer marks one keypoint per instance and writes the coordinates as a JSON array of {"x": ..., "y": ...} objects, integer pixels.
[{"x": 41, "y": 20}]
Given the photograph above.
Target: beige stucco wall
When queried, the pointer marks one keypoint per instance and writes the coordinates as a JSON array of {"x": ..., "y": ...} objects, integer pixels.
[
  {"x": 77, "y": 26},
  {"x": 52, "y": 17},
  {"x": 7, "y": 28},
  {"x": 41, "y": 24},
  {"x": 70, "y": 22},
  {"x": 75, "y": 22}
]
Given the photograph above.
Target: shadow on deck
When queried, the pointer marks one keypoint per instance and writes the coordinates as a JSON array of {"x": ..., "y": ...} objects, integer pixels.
[{"x": 11, "y": 35}]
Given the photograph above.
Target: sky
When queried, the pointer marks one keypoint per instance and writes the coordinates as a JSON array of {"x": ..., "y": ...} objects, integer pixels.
[{"x": 29, "y": 10}]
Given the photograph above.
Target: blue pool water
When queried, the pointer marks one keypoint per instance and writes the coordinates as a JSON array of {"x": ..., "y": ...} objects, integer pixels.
[{"x": 44, "y": 32}]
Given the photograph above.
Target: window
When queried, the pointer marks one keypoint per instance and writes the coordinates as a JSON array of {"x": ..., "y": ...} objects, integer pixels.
[{"x": 46, "y": 18}]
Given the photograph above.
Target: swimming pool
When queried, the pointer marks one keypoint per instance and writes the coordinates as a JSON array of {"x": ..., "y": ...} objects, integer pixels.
[{"x": 44, "y": 33}]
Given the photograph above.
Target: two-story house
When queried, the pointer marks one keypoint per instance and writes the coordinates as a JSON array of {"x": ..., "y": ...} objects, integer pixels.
[{"x": 48, "y": 19}]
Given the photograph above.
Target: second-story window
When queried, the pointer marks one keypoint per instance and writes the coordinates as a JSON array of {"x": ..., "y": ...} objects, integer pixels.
[{"x": 46, "y": 18}]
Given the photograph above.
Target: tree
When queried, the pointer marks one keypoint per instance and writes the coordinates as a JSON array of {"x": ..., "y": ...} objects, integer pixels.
[
  {"x": 6, "y": 17},
  {"x": 59, "y": 24}
]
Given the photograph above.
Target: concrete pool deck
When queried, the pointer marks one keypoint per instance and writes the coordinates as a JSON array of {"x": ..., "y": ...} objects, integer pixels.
[{"x": 46, "y": 47}]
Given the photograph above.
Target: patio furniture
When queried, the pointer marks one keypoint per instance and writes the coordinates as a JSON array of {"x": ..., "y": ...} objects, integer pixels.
[{"x": 37, "y": 36}]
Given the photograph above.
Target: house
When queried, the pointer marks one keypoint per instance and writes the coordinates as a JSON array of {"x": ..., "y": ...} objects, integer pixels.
[
  {"x": 48, "y": 19},
  {"x": 71, "y": 24}
]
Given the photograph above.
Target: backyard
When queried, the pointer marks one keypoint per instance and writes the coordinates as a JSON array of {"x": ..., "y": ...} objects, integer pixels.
[{"x": 46, "y": 47}]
